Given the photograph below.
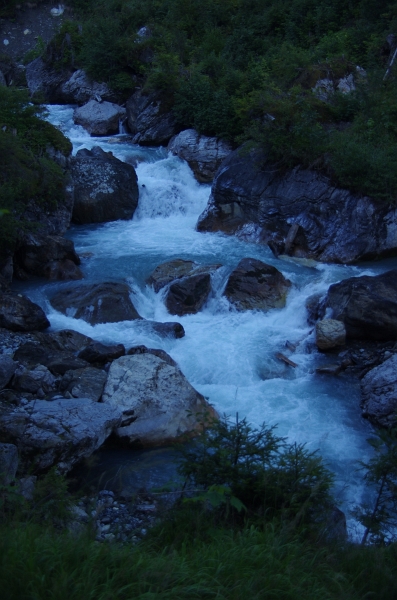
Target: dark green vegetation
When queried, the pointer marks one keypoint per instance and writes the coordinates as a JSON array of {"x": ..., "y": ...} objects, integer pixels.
[
  {"x": 245, "y": 70},
  {"x": 209, "y": 548},
  {"x": 27, "y": 172}
]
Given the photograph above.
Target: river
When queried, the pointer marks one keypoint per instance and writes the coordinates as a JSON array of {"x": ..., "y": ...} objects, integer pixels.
[{"x": 228, "y": 356}]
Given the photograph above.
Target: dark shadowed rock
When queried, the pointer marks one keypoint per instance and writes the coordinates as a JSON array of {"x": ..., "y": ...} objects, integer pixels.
[
  {"x": 96, "y": 352},
  {"x": 84, "y": 383},
  {"x": 379, "y": 394},
  {"x": 79, "y": 89},
  {"x": 33, "y": 380},
  {"x": 65, "y": 340},
  {"x": 254, "y": 285},
  {"x": 170, "y": 271},
  {"x": 99, "y": 118},
  {"x": 50, "y": 256},
  {"x": 149, "y": 121},
  {"x": 8, "y": 463},
  {"x": 298, "y": 212},
  {"x": 366, "y": 305},
  {"x": 105, "y": 188},
  {"x": 97, "y": 303},
  {"x": 18, "y": 313},
  {"x": 170, "y": 329},
  {"x": 203, "y": 154},
  {"x": 315, "y": 307},
  {"x": 44, "y": 81},
  {"x": 158, "y": 403},
  {"x": 7, "y": 369},
  {"x": 61, "y": 432},
  {"x": 57, "y": 361},
  {"x": 156, "y": 351},
  {"x": 187, "y": 296}
]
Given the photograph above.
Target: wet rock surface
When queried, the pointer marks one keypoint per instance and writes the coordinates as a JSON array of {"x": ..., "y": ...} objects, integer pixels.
[
  {"x": 18, "y": 313},
  {"x": 97, "y": 303},
  {"x": 255, "y": 285},
  {"x": 105, "y": 188},
  {"x": 203, "y": 154},
  {"x": 188, "y": 295},
  {"x": 298, "y": 212}
]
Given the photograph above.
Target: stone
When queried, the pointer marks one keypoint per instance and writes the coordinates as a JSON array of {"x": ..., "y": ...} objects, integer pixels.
[
  {"x": 50, "y": 256},
  {"x": 99, "y": 118},
  {"x": 315, "y": 308},
  {"x": 156, "y": 351},
  {"x": 366, "y": 305},
  {"x": 44, "y": 81},
  {"x": 335, "y": 225},
  {"x": 187, "y": 296},
  {"x": 7, "y": 370},
  {"x": 170, "y": 329},
  {"x": 105, "y": 188},
  {"x": 18, "y": 313},
  {"x": 84, "y": 383},
  {"x": 61, "y": 432},
  {"x": 255, "y": 285},
  {"x": 159, "y": 405},
  {"x": 96, "y": 352},
  {"x": 203, "y": 154},
  {"x": 58, "y": 362},
  {"x": 379, "y": 394},
  {"x": 79, "y": 89},
  {"x": 330, "y": 334},
  {"x": 149, "y": 121},
  {"x": 8, "y": 463},
  {"x": 97, "y": 303},
  {"x": 168, "y": 272},
  {"x": 33, "y": 380},
  {"x": 65, "y": 340}
]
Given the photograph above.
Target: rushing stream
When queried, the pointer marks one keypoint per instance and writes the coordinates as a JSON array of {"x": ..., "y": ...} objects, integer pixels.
[{"x": 228, "y": 356}]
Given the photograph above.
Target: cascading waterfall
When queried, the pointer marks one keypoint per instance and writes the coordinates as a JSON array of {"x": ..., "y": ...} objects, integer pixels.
[{"x": 228, "y": 356}]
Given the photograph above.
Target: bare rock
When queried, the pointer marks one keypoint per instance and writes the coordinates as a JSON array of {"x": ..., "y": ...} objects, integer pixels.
[
  {"x": 188, "y": 296},
  {"x": 79, "y": 89},
  {"x": 8, "y": 463},
  {"x": 7, "y": 370},
  {"x": 50, "y": 256},
  {"x": 96, "y": 352},
  {"x": 149, "y": 121},
  {"x": 99, "y": 118},
  {"x": 330, "y": 334},
  {"x": 159, "y": 405},
  {"x": 84, "y": 383},
  {"x": 379, "y": 393},
  {"x": 33, "y": 380},
  {"x": 255, "y": 285},
  {"x": 18, "y": 313}
]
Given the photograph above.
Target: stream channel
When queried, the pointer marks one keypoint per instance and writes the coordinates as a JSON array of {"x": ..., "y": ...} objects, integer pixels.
[{"x": 227, "y": 356}]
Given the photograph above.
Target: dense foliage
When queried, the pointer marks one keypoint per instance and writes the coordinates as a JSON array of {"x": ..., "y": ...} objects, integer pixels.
[
  {"x": 27, "y": 172},
  {"x": 246, "y": 70}
]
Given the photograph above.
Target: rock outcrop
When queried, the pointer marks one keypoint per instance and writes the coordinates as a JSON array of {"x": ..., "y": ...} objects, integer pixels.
[
  {"x": 298, "y": 212},
  {"x": 149, "y": 121},
  {"x": 60, "y": 433},
  {"x": 97, "y": 303},
  {"x": 99, "y": 118},
  {"x": 105, "y": 188},
  {"x": 50, "y": 256},
  {"x": 44, "y": 82},
  {"x": 203, "y": 154},
  {"x": 159, "y": 405},
  {"x": 379, "y": 393},
  {"x": 18, "y": 313},
  {"x": 255, "y": 285},
  {"x": 80, "y": 89},
  {"x": 366, "y": 305}
]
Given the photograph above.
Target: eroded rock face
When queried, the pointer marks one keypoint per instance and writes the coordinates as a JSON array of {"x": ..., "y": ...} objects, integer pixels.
[
  {"x": 254, "y": 285},
  {"x": 79, "y": 89},
  {"x": 51, "y": 256},
  {"x": 18, "y": 313},
  {"x": 61, "y": 432},
  {"x": 99, "y": 118},
  {"x": 97, "y": 303},
  {"x": 149, "y": 121},
  {"x": 366, "y": 305},
  {"x": 105, "y": 188},
  {"x": 158, "y": 403},
  {"x": 203, "y": 154},
  {"x": 330, "y": 334},
  {"x": 379, "y": 394},
  {"x": 298, "y": 212}
]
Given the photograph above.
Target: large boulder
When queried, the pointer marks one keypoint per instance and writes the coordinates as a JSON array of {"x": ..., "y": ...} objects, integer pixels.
[
  {"x": 100, "y": 118},
  {"x": 170, "y": 271},
  {"x": 18, "y": 313},
  {"x": 188, "y": 295},
  {"x": 97, "y": 303},
  {"x": 33, "y": 354},
  {"x": 50, "y": 256},
  {"x": 61, "y": 432},
  {"x": 80, "y": 89},
  {"x": 298, "y": 212},
  {"x": 84, "y": 383},
  {"x": 158, "y": 403},
  {"x": 203, "y": 154},
  {"x": 7, "y": 369},
  {"x": 254, "y": 285},
  {"x": 366, "y": 305},
  {"x": 149, "y": 121},
  {"x": 330, "y": 334},
  {"x": 44, "y": 82},
  {"x": 105, "y": 188},
  {"x": 379, "y": 394}
]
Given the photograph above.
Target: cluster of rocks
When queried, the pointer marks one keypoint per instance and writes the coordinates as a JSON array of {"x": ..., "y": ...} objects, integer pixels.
[{"x": 363, "y": 319}]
